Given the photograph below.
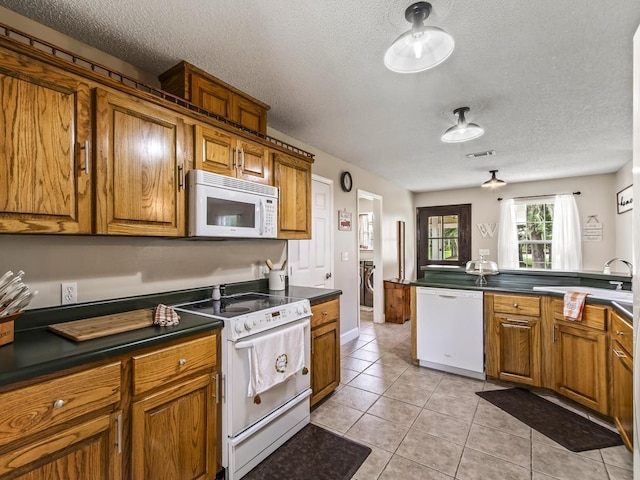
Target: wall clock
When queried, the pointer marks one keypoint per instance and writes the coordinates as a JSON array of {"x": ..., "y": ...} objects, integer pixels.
[{"x": 346, "y": 182}]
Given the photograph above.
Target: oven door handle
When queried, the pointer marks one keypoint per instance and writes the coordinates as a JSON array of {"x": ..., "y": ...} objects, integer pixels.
[{"x": 241, "y": 345}]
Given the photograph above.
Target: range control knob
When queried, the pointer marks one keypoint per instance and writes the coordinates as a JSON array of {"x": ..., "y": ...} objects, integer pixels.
[
  {"x": 248, "y": 324},
  {"x": 238, "y": 328}
]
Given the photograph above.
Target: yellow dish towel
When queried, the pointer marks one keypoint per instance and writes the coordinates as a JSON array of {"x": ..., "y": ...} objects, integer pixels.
[
  {"x": 274, "y": 358},
  {"x": 573, "y": 305}
]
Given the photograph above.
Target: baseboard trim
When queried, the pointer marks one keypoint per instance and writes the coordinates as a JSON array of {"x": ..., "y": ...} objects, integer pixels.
[{"x": 349, "y": 336}]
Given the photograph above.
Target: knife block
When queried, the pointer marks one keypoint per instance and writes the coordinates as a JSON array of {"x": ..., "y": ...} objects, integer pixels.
[{"x": 6, "y": 328}]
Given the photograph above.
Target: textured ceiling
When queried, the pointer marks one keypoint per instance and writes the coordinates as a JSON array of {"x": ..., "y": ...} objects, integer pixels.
[{"x": 550, "y": 81}]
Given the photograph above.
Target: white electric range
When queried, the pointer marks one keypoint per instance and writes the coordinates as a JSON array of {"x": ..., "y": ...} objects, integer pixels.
[{"x": 252, "y": 431}]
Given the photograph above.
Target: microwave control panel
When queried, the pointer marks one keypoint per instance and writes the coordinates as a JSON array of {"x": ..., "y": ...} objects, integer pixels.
[{"x": 270, "y": 227}]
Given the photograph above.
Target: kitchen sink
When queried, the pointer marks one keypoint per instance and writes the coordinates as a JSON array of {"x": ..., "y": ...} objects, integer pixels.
[{"x": 594, "y": 292}]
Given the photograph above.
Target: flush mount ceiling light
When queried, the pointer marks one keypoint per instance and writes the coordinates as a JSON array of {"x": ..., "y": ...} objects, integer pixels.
[
  {"x": 462, "y": 131},
  {"x": 493, "y": 182},
  {"x": 420, "y": 48}
]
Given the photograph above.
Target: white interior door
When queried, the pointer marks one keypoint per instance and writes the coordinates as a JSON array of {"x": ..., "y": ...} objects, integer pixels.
[{"x": 311, "y": 261}]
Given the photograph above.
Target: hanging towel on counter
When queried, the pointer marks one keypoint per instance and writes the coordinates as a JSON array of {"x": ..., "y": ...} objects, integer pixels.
[
  {"x": 274, "y": 358},
  {"x": 573, "y": 305}
]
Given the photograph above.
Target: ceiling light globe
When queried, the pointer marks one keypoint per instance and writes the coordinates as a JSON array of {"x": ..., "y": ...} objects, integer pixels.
[
  {"x": 464, "y": 133},
  {"x": 405, "y": 55}
]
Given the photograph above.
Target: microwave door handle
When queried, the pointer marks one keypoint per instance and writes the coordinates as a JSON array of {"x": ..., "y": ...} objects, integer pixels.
[{"x": 262, "y": 216}]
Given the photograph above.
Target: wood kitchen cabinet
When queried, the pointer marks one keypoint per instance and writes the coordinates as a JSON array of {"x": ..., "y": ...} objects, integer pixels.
[
  {"x": 67, "y": 428},
  {"x": 325, "y": 349},
  {"x": 622, "y": 377},
  {"x": 140, "y": 172},
  {"x": 220, "y": 152},
  {"x": 512, "y": 334},
  {"x": 580, "y": 356},
  {"x": 214, "y": 95},
  {"x": 174, "y": 415},
  {"x": 45, "y": 145},
  {"x": 293, "y": 177}
]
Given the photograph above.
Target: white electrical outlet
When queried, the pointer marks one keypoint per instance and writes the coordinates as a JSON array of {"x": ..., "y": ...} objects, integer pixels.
[
  {"x": 69, "y": 292},
  {"x": 484, "y": 252}
]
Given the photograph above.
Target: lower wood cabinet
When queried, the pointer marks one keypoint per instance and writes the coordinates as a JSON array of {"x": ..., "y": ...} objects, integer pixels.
[
  {"x": 93, "y": 423},
  {"x": 581, "y": 367},
  {"x": 519, "y": 349},
  {"x": 325, "y": 349},
  {"x": 622, "y": 377},
  {"x": 173, "y": 432}
]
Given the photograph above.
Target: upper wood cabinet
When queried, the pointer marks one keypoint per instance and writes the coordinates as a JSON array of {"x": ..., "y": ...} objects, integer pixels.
[
  {"x": 140, "y": 172},
  {"x": 293, "y": 177},
  {"x": 214, "y": 95},
  {"x": 45, "y": 149},
  {"x": 220, "y": 152}
]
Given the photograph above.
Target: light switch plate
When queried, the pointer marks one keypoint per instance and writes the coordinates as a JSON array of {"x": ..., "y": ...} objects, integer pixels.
[
  {"x": 484, "y": 251},
  {"x": 344, "y": 256}
]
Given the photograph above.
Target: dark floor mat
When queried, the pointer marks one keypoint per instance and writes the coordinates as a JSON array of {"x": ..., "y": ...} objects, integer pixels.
[
  {"x": 312, "y": 454},
  {"x": 569, "y": 429}
]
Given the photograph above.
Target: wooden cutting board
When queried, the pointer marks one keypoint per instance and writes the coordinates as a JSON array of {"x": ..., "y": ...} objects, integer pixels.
[{"x": 96, "y": 327}]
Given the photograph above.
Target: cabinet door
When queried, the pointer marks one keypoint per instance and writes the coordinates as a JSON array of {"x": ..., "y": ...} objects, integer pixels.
[
  {"x": 293, "y": 178},
  {"x": 215, "y": 151},
  {"x": 174, "y": 433},
  {"x": 140, "y": 168},
  {"x": 210, "y": 96},
  {"x": 248, "y": 114},
  {"x": 519, "y": 350},
  {"x": 254, "y": 162},
  {"x": 87, "y": 451},
  {"x": 45, "y": 161},
  {"x": 325, "y": 360},
  {"x": 581, "y": 365},
  {"x": 622, "y": 392}
]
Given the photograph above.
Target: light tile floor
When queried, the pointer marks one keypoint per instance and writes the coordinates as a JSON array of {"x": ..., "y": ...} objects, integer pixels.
[{"x": 429, "y": 425}]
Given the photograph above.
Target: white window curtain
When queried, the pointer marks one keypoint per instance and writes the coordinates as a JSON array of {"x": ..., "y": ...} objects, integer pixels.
[
  {"x": 566, "y": 244},
  {"x": 508, "y": 236}
]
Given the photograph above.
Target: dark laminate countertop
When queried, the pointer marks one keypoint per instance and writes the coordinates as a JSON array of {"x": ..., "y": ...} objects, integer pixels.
[{"x": 38, "y": 351}]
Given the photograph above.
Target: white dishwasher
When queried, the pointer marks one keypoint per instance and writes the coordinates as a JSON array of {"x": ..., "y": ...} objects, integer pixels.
[{"x": 450, "y": 330}]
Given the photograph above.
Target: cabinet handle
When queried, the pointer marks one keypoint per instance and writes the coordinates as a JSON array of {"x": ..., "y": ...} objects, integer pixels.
[
  {"x": 182, "y": 362},
  {"x": 514, "y": 320},
  {"x": 508, "y": 325},
  {"x": 324, "y": 314},
  {"x": 235, "y": 157},
  {"x": 119, "y": 433},
  {"x": 85, "y": 147},
  {"x": 619, "y": 354},
  {"x": 58, "y": 403},
  {"x": 515, "y": 305},
  {"x": 618, "y": 332},
  {"x": 242, "y": 159},
  {"x": 217, "y": 394},
  {"x": 180, "y": 177}
]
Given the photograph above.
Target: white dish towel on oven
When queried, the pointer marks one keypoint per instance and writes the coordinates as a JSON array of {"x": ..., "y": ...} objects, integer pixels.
[{"x": 274, "y": 358}]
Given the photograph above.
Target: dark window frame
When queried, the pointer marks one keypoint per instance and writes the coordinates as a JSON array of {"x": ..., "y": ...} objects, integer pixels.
[{"x": 463, "y": 211}]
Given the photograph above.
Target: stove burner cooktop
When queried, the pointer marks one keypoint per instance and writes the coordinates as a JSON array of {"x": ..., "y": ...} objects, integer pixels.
[{"x": 236, "y": 305}]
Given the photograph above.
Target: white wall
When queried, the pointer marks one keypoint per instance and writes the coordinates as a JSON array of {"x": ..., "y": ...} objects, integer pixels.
[
  {"x": 597, "y": 198},
  {"x": 397, "y": 204}
]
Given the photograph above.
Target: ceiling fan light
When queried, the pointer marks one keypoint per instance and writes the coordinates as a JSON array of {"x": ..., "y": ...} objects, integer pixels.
[
  {"x": 493, "y": 182},
  {"x": 421, "y": 47}
]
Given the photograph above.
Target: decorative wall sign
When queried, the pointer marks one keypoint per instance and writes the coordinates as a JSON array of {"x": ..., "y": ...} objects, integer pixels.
[
  {"x": 592, "y": 229},
  {"x": 624, "y": 199},
  {"x": 487, "y": 229},
  {"x": 344, "y": 221}
]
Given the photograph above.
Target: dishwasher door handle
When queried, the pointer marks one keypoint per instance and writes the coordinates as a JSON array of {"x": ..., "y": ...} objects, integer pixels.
[{"x": 446, "y": 296}]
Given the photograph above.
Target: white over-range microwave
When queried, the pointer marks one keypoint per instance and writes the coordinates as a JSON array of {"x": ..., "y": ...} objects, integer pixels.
[{"x": 221, "y": 206}]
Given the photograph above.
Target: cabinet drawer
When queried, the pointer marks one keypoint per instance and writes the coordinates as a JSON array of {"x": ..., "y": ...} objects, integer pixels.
[
  {"x": 593, "y": 316},
  {"x": 32, "y": 409},
  {"x": 517, "y": 305},
  {"x": 163, "y": 366},
  {"x": 325, "y": 312},
  {"x": 621, "y": 332}
]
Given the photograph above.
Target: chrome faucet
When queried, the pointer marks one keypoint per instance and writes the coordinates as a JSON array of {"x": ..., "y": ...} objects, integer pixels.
[{"x": 607, "y": 266}]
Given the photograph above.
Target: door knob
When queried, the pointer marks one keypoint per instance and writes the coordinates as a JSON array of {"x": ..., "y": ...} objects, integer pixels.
[{"x": 327, "y": 276}]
